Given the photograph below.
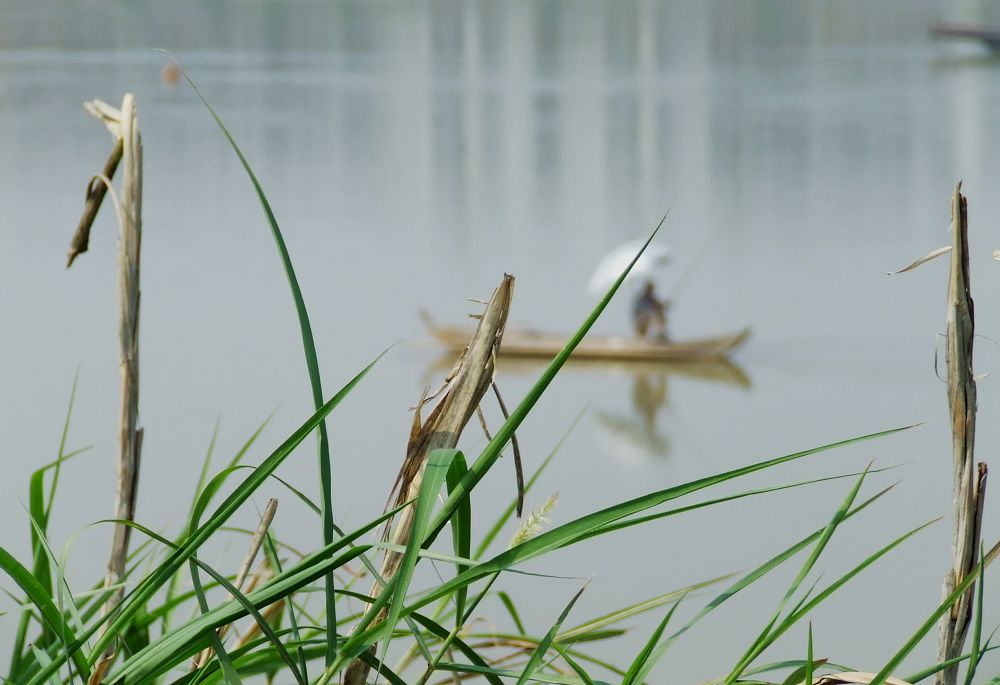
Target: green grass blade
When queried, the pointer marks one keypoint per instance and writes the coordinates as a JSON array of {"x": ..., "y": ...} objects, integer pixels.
[
  {"x": 40, "y": 509},
  {"x": 65, "y": 603},
  {"x": 809, "y": 658},
  {"x": 573, "y": 532},
  {"x": 461, "y": 529},
  {"x": 174, "y": 585},
  {"x": 547, "y": 678},
  {"x": 233, "y": 591},
  {"x": 936, "y": 668},
  {"x": 543, "y": 646},
  {"x": 508, "y": 604},
  {"x": 580, "y": 671},
  {"x": 503, "y": 435},
  {"x": 634, "y": 610},
  {"x": 62, "y": 455},
  {"x": 581, "y": 528},
  {"x": 977, "y": 626},
  {"x": 42, "y": 658},
  {"x": 199, "y": 491},
  {"x": 225, "y": 662},
  {"x": 505, "y": 516},
  {"x": 452, "y": 638},
  {"x": 42, "y": 600},
  {"x": 141, "y": 594},
  {"x": 312, "y": 365},
  {"x": 275, "y": 560},
  {"x": 925, "y": 628},
  {"x": 435, "y": 474},
  {"x": 806, "y": 607},
  {"x": 765, "y": 637},
  {"x": 639, "y": 520},
  {"x": 646, "y": 659},
  {"x": 38, "y": 520},
  {"x": 163, "y": 653},
  {"x": 758, "y": 573},
  {"x": 206, "y": 464}
]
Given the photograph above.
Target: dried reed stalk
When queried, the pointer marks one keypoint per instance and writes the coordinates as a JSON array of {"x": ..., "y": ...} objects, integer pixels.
[
  {"x": 128, "y": 148},
  {"x": 969, "y": 479},
  {"x": 241, "y": 576},
  {"x": 460, "y": 394}
]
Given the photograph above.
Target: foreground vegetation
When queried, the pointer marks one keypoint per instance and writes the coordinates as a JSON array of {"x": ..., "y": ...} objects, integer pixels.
[{"x": 297, "y": 615}]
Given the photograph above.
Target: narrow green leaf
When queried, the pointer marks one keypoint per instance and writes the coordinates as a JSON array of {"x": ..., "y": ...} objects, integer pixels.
[
  {"x": 53, "y": 618},
  {"x": 936, "y": 668},
  {"x": 38, "y": 524},
  {"x": 543, "y": 646},
  {"x": 275, "y": 560},
  {"x": 573, "y": 664},
  {"x": 809, "y": 658},
  {"x": 550, "y": 678},
  {"x": 646, "y": 659},
  {"x": 758, "y": 573},
  {"x": 163, "y": 653},
  {"x": 507, "y": 513},
  {"x": 435, "y": 473},
  {"x": 977, "y": 627},
  {"x": 452, "y": 638},
  {"x": 461, "y": 529},
  {"x": 503, "y": 435},
  {"x": 512, "y": 610},
  {"x": 234, "y": 592},
  {"x": 40, "y": 509},
  {"x": 806, "y": 607},
  {"x": 312, "y": 365},
  {"x": 139, "y": 596},
  {"x": 925, "y": 628},
  {"x": 634, "y": 610},
  {"x": 225, "y": 662},
  {"x": 199, "y": 492},
  {"x": 42, "y": 658},
  {"x": 573, "y": 532},
  {"x": 62, "y": 454},
  {"x": 766, "y": 638}
]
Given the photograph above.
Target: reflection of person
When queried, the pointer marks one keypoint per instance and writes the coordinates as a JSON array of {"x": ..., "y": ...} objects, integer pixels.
[
  {"x": 649, "y": 394},
  {"x": 649, "y": 313}
]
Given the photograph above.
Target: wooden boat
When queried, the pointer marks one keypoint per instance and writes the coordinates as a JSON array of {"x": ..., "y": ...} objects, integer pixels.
[
  {"x": 531, "y": 343},
  {"x": 988, "y": 35}
]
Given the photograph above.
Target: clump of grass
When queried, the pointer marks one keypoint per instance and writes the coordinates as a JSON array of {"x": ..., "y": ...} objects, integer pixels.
[{"x": 161, "y": 626}]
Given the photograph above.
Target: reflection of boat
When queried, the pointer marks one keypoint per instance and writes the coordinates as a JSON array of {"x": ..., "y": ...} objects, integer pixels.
[
  {"x": 530, "y": 343},
  {"x": 719, "y": 370},
  {"x": 988, "y": 35}
]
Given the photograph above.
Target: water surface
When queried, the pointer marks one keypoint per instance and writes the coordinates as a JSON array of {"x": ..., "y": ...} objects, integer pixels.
[{"x": 413, "y": 153}]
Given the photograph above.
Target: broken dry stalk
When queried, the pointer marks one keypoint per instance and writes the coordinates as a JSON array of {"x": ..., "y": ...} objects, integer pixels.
[
  {"x": 128, "y": 148},
  {"x": 96, "y": 190},
  {"x": 969, "y": 479},
  {"x": 241, "y": 575},
  {"x": 459, "y": 397}
]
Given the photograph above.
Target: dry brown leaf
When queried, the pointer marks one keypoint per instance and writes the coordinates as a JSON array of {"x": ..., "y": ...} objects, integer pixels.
[
  {"x": 101, "y": 667},
  {"x": 858, "y": 677},
  {"x": 926, "y": 258}
]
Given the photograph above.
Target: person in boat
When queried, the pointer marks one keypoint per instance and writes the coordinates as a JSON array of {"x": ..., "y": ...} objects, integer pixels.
[{"x": 649, "y": 313}]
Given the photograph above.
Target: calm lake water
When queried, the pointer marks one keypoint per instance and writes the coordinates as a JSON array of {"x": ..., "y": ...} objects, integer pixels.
[{"x": 413, "y": 153}]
